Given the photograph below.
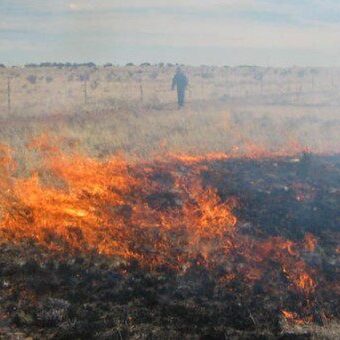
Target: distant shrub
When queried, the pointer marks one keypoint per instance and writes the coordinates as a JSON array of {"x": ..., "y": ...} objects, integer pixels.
[
  {"x": 89, "y": 64},
  {"x": 32, "y": 79},
  {"x": 31, "y": 65},
  {"x": 48, "y": 79},
  {"x": 130, "y": 64},
  {"x": 83, "y": 77},
  {"x": 161, "y": 65},
  {"x": 301, "y": 73},
  {"x": 2, "y": 66},
  {"x": 145, "y": 64},
  {"x": 207, "y": 75},
  {"x": 170, "y": 65},
  {"x": 94, "y": 84},
  {"x": 153, "y": 75},
  {"x": 258, "y": 75},
  {"x": 108, "y": 65},
  {"x": 45, "y": 65},
  {"x": 110, "y": 76}
]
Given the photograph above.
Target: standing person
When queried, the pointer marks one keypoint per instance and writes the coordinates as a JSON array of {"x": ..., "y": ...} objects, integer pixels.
[{"x": 180, "y": 81}]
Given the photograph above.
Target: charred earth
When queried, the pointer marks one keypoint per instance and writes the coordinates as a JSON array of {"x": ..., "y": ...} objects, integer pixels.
[{"x": 251, "y": 252}]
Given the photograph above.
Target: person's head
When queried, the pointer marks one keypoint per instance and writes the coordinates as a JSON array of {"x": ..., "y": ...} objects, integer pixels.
[{"x": 178, "y": 69}]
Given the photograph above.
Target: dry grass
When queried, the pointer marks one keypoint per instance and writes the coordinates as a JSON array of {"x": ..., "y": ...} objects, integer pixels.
[
  {"x": 330, "y": 331},
  {"x": 227, "y": 107}
]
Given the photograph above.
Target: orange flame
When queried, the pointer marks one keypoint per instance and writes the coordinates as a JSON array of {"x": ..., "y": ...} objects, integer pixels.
[
  {"x": 292, "y": 317},
  {"x": 107, "y": 206}
]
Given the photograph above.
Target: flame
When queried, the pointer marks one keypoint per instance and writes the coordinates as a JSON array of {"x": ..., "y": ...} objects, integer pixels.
[
  {"x": 190, "y": 159},
  {"x": 310, "y": 242},
  {"x": 109, "y": 207},
  {"x": 249, "y": 150},
  {"x": 292, "y": 317}
]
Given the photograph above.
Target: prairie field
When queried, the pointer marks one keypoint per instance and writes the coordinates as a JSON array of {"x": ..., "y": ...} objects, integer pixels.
[
  {"x": 105, "y": 110},
  {"x": 124, "y": 217}
]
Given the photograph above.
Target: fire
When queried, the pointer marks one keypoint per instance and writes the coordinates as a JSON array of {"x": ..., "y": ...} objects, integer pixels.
[
  {"x": 190, "y": 159},
  {"x": 305, "y": 282},
  {"x": 249, "y": 150},
  {"x": 155, "y": 213},
  {"x": 75, "y": 212},
  {"x": 310, "y": 242},
  {"x": 292, "y": 317}
]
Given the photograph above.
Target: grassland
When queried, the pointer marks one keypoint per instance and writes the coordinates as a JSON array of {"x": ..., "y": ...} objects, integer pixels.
[
  {"x": 105, "y": 110},
  {"x": 131, "y": 110}
]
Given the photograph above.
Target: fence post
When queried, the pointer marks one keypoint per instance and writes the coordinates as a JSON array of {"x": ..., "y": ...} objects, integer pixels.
[
  {"x": 9, "y": 95},
  {"x": 85, "y": 91},
  {"x": 202, "y": 86},
  {"x": 141, "y": 93}
]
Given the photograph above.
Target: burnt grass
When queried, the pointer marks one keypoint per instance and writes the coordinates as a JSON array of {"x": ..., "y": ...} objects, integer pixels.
[{"x": 63, "y": 296}]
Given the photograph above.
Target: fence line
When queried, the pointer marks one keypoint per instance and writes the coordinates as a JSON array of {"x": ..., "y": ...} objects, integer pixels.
[
  {"x": 85, "y": 92},
  {"x": 146, "y": 91},
  {"x": 9, "y": 95}
]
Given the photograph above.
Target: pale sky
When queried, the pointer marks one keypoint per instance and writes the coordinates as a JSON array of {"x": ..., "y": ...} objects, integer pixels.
[{"x": 224, "y": 32}]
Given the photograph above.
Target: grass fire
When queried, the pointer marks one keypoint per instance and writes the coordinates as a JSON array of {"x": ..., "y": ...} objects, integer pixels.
[
  {"x": 211, "y": 244},
  {"x": 169, "y": 170}
]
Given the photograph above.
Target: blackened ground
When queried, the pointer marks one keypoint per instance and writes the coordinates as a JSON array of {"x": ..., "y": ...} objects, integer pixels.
[
  {"x": 284, "y": 196},
  {"x": 48, "y": 295}
]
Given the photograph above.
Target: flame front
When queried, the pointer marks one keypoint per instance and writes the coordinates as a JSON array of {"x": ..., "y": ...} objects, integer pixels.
[{"x": 156, "y": 213}]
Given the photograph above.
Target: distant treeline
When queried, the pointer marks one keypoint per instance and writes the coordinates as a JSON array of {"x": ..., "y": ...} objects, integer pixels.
[
  {"x": 148, "y": 64},
  {"x": 90, "y": 64},
  {"x": 60, "y": 65}
]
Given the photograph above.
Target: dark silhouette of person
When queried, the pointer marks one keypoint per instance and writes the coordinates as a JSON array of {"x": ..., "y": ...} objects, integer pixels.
[{"x": 180, "y": 81}]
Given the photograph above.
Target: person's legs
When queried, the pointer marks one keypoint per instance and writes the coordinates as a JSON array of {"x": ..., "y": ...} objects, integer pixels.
[
  {"x": 183, "y": 97},
  {"x": 180, "y": 95}
]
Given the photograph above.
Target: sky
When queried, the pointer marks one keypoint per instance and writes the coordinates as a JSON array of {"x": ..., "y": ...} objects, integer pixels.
[{"x": 214, "y": 32}]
